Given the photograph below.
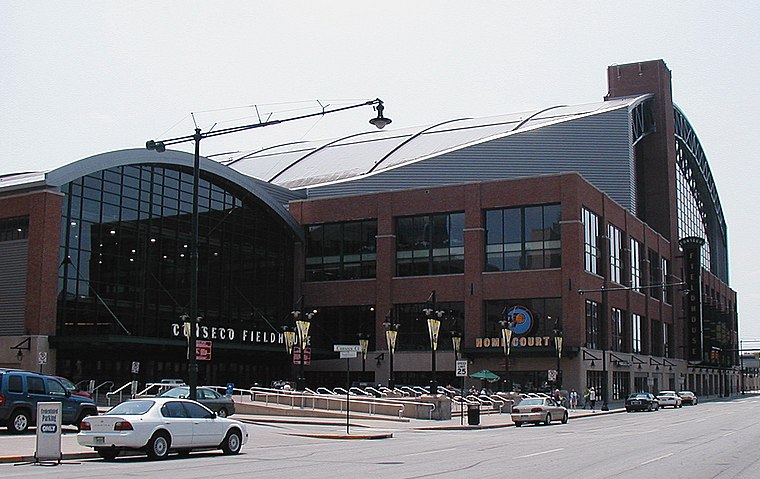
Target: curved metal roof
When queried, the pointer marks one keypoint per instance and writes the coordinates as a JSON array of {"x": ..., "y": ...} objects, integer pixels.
[
  {"x": 270, "y": 195},
  {"x": 309, "y": 164}
]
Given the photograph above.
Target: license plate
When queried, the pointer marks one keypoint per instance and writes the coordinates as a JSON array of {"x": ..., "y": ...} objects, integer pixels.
[{"x": 100, "y": 440}]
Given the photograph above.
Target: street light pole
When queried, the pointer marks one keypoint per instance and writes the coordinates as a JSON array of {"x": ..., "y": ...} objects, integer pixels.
[
  {"x": 506, "y": 339},
  {"x": 558, "y": 344},
  {"x": 391, "y": 335},
  {"x": 160, "y": 146},
  {"x": 434, "y": 327}
]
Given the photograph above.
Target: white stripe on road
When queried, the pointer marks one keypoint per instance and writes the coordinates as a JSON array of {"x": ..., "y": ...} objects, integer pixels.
[
  {"x": 656, "y": 459},
  {"x": 540, "y": 453},
  {"x": 728, "y": 433}
]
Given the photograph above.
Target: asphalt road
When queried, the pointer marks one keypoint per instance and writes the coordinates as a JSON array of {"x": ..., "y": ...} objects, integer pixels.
[{"x": 712, "y": 440}]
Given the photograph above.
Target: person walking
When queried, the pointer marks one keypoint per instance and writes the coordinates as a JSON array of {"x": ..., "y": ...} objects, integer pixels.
[
  {"x": 586, "y": 398},
  {"x": 592, "y": 397},
  {"x": 573, "y": 399}
]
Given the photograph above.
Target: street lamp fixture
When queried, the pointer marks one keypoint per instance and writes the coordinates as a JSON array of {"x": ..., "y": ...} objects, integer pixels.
[
  {"x": 391, "y": 335},
  {"x": 456, "y": 343},
  {"x": 434, "y": 318},
  {"x": 558, "y": 345},
  {"x": 303, "y": 323},
  {"x": 364, "y": 343},
  {"x": 506, "y": 341},
  {"x": 160, "y": 146}
]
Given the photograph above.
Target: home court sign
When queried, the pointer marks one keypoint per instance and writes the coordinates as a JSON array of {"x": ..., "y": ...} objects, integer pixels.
[{"x": 523, "y": 323}]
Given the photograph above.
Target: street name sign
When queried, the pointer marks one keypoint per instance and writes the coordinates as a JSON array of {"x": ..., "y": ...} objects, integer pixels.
[{"x": 338, "y": 348}]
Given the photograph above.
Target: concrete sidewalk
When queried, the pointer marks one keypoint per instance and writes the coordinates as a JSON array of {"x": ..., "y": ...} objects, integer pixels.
[{"x": 21, "y": 448}]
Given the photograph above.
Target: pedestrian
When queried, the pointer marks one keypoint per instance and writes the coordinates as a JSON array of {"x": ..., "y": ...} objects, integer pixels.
[
  {"x": 592, "y": 397},
  {"x": 573, "y": 399},
  {"x": 586, "y": 398}
]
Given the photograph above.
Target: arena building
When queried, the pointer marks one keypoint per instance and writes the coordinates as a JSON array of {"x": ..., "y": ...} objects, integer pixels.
[{"x": 570, "y": 246}]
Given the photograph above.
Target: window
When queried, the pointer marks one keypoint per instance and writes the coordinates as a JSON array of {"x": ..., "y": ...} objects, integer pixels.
[
  {"x": 668, "y": 339},
  {"x": 14, "y": 228},
  {"x": 592, "y": 324},
  {"x": 15, "y": 384},
  {"x": 657, "y": 340},
  {"x": 616, "y": 254},
  {"x": 635, "y": 262},
  {"x": 654, "y": 274},
  {"x": 35, "y": 385},
  {"x": 618, "y": 331},
  {"x": 591, "y": 241},
  {"x": 173, "y": 409},
  {"x": 430, "y": 244},
  {"x": 636, "y": 346},
  {"x": 197, "y": 411},
  {"x": 620, "y": 384},
  {"x": 667, "y": 291},
  {"x": 55, "y": 388},
  {"x": 523, "y": 238},
  {"x": 339, "y": 251}
]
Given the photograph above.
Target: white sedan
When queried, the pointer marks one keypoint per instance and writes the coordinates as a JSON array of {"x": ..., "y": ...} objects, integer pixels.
[
  {"x": 538, "y": 410},
  {"x": 159, "y": 425},
  {"x": 669, "y": 398}
]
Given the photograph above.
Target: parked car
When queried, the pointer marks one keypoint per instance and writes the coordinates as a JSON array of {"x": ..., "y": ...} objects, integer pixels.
[
  {"x": 641, "y": 402},
  {"x": 71, "y": 387},
  {"x": 538, "y": 410},
  {"x": 157, "y": 426},
  {"x": 20, "y": 391},
  {"x": 688, "y": 397},
  {"x": 222, "y": 405},
  {"x": 669, "y": 398}
]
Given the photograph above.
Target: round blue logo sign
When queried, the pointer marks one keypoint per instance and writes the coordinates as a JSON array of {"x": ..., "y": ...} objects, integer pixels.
[{"x": 521, "y": 319}]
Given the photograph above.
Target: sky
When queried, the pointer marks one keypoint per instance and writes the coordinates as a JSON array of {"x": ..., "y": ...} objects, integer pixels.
[{"x": 79, "y": 78}]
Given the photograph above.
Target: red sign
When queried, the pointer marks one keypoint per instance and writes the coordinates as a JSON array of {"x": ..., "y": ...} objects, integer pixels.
[
  {"x": 297, "y": 356},
  {"x": 203, "y": 350}
]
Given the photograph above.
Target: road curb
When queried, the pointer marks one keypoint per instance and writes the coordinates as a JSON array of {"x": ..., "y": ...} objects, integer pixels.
[
  {"x": 347, "y": 436},
  {"x": 65, "y": 457}
]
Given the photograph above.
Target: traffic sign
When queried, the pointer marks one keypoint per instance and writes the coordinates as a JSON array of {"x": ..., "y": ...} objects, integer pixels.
[
  {"x": 135, "y": 367},
  {"x": 347, "y": 347},
  {"x": 203, "y": 350},
  {"x": 552, "y": 375},
  {"x": 41, "y": 357},
  {"x": 347, "y": 354},
  {"x": 461, "y": 367}
]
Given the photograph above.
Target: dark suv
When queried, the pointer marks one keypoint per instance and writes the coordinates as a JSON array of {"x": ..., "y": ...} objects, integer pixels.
[{"x": 20, "y": 391}]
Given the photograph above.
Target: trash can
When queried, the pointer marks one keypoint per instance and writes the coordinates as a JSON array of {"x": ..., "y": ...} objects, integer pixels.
[{"x": 473, "y": 414}]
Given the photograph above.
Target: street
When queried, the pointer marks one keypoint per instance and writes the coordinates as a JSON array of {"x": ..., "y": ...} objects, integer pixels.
[{"x": 712, "y": 440}]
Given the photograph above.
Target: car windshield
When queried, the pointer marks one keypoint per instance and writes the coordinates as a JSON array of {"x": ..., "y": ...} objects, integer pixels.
[
  {"x": 136, "y": 407},
  {"x": 176, "y": 393},
  {"x": 67, "y": 384},
  {"x": 638, "y": 396},
  {"x": 531, "y": 402}
]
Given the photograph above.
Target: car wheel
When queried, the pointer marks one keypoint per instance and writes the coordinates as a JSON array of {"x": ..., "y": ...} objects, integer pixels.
[
  {"x": 518, "y": 424},
  {"x": 548, "y": 419},
  {"x": 629, "y": 410},
  {"x": 18, "y": 423},
  {"x": 158, "y": 446},
  {"x": 222, "y": 413},
  {"x": 232, "y": 442},
  {"x": 564, "y": 419},
  {"x": 107, "y": 453}
]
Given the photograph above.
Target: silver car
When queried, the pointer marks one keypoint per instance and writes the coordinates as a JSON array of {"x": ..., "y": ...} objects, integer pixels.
[{"x": 538, "y": 410}]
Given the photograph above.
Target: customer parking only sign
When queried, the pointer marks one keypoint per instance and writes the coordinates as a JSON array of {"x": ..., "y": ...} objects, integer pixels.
[{"x": 48, "y": 432}]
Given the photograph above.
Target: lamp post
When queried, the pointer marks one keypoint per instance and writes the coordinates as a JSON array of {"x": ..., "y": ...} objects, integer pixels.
[
  {"x": 456, "y": 344},
  {"x": 434, "y": 327},
  {"x": 506, "y": 340},
  {"x": 290, "y": 341},
  {"x": 303, "y": 323},
  {"x": 558, "y": 344},
  {"x": 364, "y": 343},
  {"x": 391, "y": 334},
  {"x": 160, "y": 146}
]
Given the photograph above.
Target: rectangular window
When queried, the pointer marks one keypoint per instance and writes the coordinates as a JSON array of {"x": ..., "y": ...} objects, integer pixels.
[
  {"x": 430, "y": 244},
  {"x": 636, "y": 333},
  {"x": 341, "y": 251},
  {"x": 14, "y": 228},
  {"x": 635, "y": 264},
  {"x": 616, "y": 254},
  {"x": 621, "y": 381},
  {"x": 668, "y": 339},
  {"x": 657, "y": 340},
  {"x": 667, "y": 291},
  {"x": 654, "y": 275},
  {"x": 591, "y": 241},
  {"x": 592, "y": 324},
  {"x": 618, "y": 330},
  {"x": 523, "y": 238}
]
